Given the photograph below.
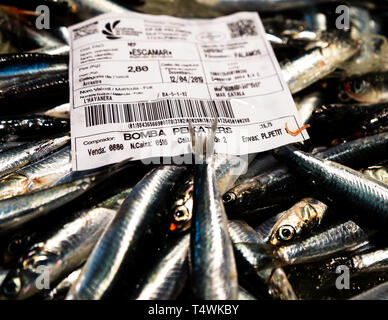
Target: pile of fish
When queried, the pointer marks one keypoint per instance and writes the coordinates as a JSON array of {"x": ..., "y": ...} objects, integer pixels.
[{"x": 305, "y": 221}]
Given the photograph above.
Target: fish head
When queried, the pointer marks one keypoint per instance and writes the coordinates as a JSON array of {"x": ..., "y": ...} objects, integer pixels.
[
  {"x": 30, "y": 276},
  {"x": 182, "y": 214},
  {"x": 304, "y": 215}
]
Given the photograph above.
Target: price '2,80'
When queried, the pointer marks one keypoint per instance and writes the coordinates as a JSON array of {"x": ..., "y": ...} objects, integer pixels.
[{"x": 137, "y": 68}]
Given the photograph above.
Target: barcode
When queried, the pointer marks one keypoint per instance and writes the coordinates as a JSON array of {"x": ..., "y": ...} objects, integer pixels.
[
  {"x": 159, "y": 110},
  {"x": 242, "y": 28}
]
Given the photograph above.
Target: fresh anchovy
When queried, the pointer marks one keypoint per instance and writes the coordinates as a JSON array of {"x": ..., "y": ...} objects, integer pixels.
[
  {"x": 167, "y": 278},
  {"x": 260, "y": 5},
  {"x": 214, "y": 274},
  {"x": 377, "y": 172},
  {"x": 132, "y": 228},
  {"x": 377, "y": 293},
  {"x": 18, "y": 157},
  {"x": 360, "y": 190},
  {"x": 33, "y": 125},
  {"x": 41, "y": 174},
  {"x": 41, "y": 94},
  {"x": 60, "y": 291},
  {"x": 371, "y": 88},
  {"x": 17, "y": 211},
  {"x": 318, "y": 63},
  {"x": 30, "y": 64},
  {"x": 62, "y": 111},
  {"x": 345, "y": 237},
  {"x": 279, "y": 184},
  {"x": 62, "y": 251},
  {"x": 306, "y": 214},
  {"x": 240, "y": 232}
]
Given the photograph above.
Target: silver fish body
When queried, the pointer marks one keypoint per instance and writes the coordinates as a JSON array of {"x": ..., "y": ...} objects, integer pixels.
[
  {"x": 214, "y": 273},
  {"x": 366, "y": 193},
  {"x": 59, "y": 254},
  {"x": 134, "y": 224},
  {"x": 18, "y": 210},
  {"x": 18, "y": 157},
  {"x": 345, "y": 237},
  {"x": 281, "y": 184},
  {"x": 318, "y": 63},
  {"x": 38, "y": 175},
  {"x": 167, "y": 278}
]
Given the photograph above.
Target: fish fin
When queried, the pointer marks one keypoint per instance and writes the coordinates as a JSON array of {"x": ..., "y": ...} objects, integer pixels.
[{"x": 203, "y": 145}]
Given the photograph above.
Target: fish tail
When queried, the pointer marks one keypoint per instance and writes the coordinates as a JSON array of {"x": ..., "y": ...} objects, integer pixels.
[{"x": 203, "y": 144}]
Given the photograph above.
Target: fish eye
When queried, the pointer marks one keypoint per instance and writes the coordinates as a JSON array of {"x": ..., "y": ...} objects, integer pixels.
[
  {"x": 11, "y": 287},
  {"x": 358, "y": 86},
  {"x": 181, "y": 213},
  {"x": 229, "y": 197},
  {"x": 286, "y": 233}
]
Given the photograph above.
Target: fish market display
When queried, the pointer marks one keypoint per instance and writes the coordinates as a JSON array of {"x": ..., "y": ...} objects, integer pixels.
[{"x": 274, "y": 225}]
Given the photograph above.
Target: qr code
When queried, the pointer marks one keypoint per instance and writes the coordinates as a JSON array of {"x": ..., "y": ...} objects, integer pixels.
[
  {"x": 242, "y": 28},
  {"x": 85, "y": 30}
]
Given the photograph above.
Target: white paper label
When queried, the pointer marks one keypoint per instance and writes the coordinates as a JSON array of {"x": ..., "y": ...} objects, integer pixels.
[{"x": 137, "y": 79}]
